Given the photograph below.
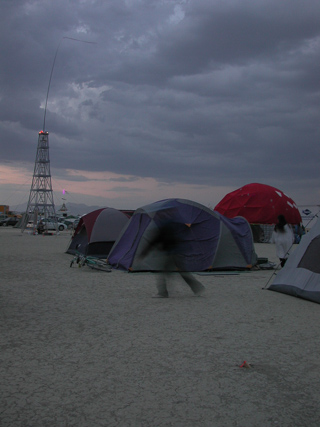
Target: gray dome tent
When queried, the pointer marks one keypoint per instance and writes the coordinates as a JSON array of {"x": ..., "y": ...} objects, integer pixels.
[
  {"x": 300, "y": 276},
  {"x": 97, "y": 231},
  {"x": 208, "y": 239}
]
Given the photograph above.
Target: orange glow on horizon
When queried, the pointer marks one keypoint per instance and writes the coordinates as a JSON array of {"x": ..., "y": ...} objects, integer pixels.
[{"x": 106, "y": 188}]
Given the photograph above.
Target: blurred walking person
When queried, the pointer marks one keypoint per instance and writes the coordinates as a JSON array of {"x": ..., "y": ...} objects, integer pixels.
[{"x": 169, "y": 244}]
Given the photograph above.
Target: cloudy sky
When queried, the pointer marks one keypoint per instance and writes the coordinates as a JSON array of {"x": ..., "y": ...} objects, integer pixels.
[{"x": 171, "y": 98}]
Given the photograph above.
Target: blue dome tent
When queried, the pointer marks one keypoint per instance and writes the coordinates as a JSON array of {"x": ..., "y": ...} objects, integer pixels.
[{"x": 209, "y": 241}]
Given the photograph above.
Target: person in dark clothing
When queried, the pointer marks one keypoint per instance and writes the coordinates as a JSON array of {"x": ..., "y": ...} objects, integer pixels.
[
  {"x": 40, "y": 227},
  {"x": 169, "y": 244}
]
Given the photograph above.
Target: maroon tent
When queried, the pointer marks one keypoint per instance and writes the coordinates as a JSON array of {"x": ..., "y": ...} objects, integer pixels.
[
  {"x": 259, "y": 204},
  {"x": 97, "y": 231}
]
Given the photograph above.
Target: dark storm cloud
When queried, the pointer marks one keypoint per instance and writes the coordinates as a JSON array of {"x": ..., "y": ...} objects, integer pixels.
[
  {"x": 216, "y": 33},
  {"x": 208, "y": 92}
]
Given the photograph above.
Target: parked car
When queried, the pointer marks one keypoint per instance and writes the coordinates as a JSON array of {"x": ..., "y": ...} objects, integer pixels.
[
  {"x": 71, "y": 223},
  {"x": 9, "y": 221},
  {"x": 51, "y": 225},
  {"x": 68, "y": 223}
]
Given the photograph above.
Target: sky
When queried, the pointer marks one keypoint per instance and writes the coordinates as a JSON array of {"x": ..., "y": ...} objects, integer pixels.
[{"x": 153, "y": 99}]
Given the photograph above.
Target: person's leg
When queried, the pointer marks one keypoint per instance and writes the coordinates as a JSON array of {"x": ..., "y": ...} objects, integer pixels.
[
  {"x": 162, "y": 286},
  {"x": 162, "y": 279},
  {"x": 196, "y": 287}
]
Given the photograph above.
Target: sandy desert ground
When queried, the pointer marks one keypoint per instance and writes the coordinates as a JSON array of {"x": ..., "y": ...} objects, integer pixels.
[{"x": 86, "y": 348}]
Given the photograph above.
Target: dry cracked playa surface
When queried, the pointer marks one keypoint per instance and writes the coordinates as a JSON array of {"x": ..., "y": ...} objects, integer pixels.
[{"x": 87, "y": 348}]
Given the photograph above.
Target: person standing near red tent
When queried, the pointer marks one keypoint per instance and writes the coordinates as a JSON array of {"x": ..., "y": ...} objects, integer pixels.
[{"x": 283, "y": 238}]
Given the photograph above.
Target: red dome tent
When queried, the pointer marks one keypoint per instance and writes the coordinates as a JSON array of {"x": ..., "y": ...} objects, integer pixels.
[{"x": 259, "y": 204}]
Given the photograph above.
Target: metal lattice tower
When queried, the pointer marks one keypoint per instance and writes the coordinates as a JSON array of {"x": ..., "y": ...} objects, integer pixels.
[{"x": 41, "y": 203}]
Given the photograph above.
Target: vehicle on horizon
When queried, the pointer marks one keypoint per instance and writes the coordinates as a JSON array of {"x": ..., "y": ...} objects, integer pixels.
[
  {"x": 71, "y": 223},
  {"x": 49, "y": 224},
  {"x": 46, "y": 224},
  {"x": 9, "y": 221}
]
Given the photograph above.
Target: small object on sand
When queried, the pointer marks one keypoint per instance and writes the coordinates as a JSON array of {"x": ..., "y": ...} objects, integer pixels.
[{"x": 245, "y": 364}]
